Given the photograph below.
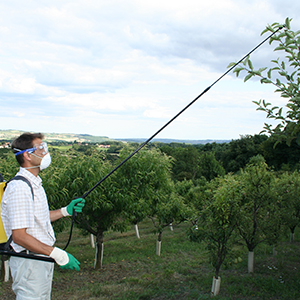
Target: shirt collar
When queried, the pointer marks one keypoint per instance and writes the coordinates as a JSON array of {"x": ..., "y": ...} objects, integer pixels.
[{"x": 34, "y": 179}]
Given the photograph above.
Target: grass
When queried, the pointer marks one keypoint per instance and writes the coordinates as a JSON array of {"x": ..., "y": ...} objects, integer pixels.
[{"x": 132, "y": 270}]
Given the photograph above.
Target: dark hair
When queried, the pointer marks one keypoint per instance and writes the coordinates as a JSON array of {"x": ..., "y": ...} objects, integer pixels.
[{"x": 24, "y": 141}]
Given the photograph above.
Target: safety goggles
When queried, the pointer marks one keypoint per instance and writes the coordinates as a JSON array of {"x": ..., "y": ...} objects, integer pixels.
[{"x": 42, "y": 147}]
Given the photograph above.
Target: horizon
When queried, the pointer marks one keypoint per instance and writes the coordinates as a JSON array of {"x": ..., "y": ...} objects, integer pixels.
[
  {"x": 126, "y": 68},
  {"x": 135, "y": 139}
]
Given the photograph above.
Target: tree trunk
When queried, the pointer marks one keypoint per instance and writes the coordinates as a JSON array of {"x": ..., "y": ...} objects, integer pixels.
[
  {"x": 216, "y": 284},
  {"x": 99, "y": 251},
  {"x": 136, "y": 228},
  {"x": 250, "y": 262},
  {"x": 171, "y": 226},
  {"x": 292, "y": 239}
]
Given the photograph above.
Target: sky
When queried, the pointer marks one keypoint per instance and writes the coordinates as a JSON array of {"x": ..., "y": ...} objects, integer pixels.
[{"x": 123, "y": 69}]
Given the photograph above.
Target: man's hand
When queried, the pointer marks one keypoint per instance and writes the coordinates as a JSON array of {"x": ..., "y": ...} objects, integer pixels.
[
  {"x": 76, "y": 204},
  {"x": 64, "y": 259}
]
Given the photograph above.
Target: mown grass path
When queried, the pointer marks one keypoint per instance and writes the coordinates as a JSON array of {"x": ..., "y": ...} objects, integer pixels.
[{"x": 132, "y": 270}]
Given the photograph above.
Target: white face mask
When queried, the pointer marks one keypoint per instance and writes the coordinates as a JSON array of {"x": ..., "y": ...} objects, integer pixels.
[{"x": 45, "y": 163}]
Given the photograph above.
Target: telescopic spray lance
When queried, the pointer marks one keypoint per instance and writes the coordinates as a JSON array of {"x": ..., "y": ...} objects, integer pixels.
[
  {"x": 168, "y": 123},
  {"x": 185, "y": 108},
  {"x": 10, "y": 253}
]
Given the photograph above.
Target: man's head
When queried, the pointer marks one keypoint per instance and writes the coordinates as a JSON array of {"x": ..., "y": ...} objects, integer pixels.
[{"x": 25, "y": 141}]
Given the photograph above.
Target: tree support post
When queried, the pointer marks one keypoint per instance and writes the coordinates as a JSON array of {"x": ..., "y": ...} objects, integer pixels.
[
  {"x": 250, "y": 262},
  {"x": 158, "y": 248},
  {"x": 216, "y": 284},
  {"x": 136, "y": 228}
]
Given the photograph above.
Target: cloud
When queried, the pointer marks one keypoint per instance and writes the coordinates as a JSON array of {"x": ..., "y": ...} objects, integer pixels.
[{"x": 123, "y": 68}]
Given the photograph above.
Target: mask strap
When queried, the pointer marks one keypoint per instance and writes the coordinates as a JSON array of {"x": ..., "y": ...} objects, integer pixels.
[
  {"x": 34, "y": 166},
  {"x": 37, "y": 156},
  {"x": 31, "y": 167}
]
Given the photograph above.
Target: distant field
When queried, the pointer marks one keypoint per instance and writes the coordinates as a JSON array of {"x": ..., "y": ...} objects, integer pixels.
[
  {"x": 65, "y": 147},
  {"x": 68, "y": 137}
]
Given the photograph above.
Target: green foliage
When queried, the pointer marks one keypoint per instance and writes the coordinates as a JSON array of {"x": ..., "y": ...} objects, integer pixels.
[
  {"x": 170, "y": 210},
  {"x": 8, "y": 166},
  {"x": 209, "y": 167},
  {"x": 253, "y": 199},
  {"x": 218, "y": 219},
  {"x": 147, "y": 175},
  {"x": 54, "y": 184},
  {"x": 284, "y": 76},
  {"x": 239, "y": 152},
  {"x": 193, "y": 194},
  {"x": 192, "y": 163},
  {"x": 282, "y": 157},
  {"x": 258, "y": 217},
  {"x": 186, "y": 163},
  {"x": 288, "y": 191}
]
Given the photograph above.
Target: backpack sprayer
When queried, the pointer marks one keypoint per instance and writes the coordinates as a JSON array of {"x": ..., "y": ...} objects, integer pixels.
[{"x": 136, "y": 151}]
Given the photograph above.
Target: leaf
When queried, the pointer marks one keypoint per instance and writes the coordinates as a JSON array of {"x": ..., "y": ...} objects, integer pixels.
[
  {"x": 262, "y": 69},
  {"x": 281, "y": 35},
  {"x": 231, "y": 65},
  {"x": 260, "y": 108},
  {"x": 245, "y": 62},
  {"x": 238, "y": 70},
  {"x": 248, "y": 77},
  {"x": 288, "y": 35},
  {"x": 282, "y": 73},
  {"x": 269, "y": 74},
  {"x": 275, "y": 62},
  {"x": 268, "y": 28},
  {"x": 265, "y": 80},
  {"x": 279, "y": 48},
  {"x": 287, "y": 23},
  {"x": 265, "y": 104},
  {"x": 250, "y": 64}
]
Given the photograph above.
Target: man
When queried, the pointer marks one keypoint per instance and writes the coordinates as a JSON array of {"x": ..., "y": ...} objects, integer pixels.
[{"x": 28, "y": 219}]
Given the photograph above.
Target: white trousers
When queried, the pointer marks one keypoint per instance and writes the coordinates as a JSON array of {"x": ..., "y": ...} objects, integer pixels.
[{"x": 32, "y": 279}]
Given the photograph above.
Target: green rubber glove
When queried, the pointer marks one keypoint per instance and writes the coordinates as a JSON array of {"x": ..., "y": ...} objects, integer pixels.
[
  {"x": 64, "y": 259},
  {"x": 73, "y": 263},
  {"x": 76, "y": 204}
]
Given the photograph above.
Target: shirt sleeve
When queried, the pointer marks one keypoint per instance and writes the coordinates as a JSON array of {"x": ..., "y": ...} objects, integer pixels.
[{"x": 19, "y": 203}]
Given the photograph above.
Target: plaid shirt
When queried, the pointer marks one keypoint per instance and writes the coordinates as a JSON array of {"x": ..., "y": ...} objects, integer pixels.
[{"x": 19, "y": 210}]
